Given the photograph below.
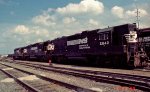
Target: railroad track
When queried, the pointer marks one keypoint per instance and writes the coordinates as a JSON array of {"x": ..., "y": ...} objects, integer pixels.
[
  {"x": 139, "y": 82},
  {"x": 36, "y": 87},
  {"x": 143, "y": 70}
]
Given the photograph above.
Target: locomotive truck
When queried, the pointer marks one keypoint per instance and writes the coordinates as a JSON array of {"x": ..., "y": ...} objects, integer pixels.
[{"x": 115, "y": 46}]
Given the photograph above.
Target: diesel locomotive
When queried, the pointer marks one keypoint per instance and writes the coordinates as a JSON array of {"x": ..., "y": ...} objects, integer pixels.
[
  {"x": 144, "y": 40},
  {"x": 115, "y": 46}
]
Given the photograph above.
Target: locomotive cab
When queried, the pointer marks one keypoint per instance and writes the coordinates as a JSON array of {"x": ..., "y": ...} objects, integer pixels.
[
  {"x": 48, "y": 48},
  {"x": 135, "y": 57}
]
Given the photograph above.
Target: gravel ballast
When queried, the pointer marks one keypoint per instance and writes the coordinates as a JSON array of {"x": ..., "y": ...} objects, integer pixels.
[
  {"x": 82, "y": 82},
  {"x": 9, "y": 85},
  {"x": 34, "y": 81}
]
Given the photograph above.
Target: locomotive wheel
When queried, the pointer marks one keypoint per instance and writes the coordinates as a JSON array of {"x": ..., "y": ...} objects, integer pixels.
[
  {"x": 119, "y": 61},
  {"x": 65, "y": 60},
  {"x": 96, "y": 61},
  {"x": 40, "y": 59},
  {"x": 90, "y": 60},
  {"x": 54, "y": 59},
  {"x": 115, "y": 61},
  {"x": 99, "y": 61},
  {"x": 60, "y": 59},
  {"x": 43, "y": 59}
]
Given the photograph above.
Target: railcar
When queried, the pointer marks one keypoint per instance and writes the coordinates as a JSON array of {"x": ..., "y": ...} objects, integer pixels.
[
  {"x": 144, "y": 40},
  {"x": 36, "y": 52},
  {"x": 18, "y": 53},
  {"x": 113, "y": 46}
]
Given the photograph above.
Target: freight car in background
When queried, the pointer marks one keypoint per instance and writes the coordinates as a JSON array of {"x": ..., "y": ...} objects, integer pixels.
[
  {"x": 113, "y": 46},
  {"x": 144, "y": 40}
]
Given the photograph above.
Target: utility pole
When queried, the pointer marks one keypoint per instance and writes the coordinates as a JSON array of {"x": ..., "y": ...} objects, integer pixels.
[
  {"x": 137, "y": 16},
  {"x": 138, "y": 22}
]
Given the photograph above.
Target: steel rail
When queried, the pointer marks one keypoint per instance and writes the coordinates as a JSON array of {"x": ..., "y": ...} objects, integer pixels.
[
  {"x": 69, "y": 86},
  {"x": 23, "y": 84},
  {"x": 94, "y": 72},
  {"x": 104, "y": 78},
  {"x": 133, "y": 77}
]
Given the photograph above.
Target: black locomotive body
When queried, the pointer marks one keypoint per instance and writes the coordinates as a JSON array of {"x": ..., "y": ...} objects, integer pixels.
[
  {"x": 113, "y": 46},
  {"x": 110, "y": 46},
  {"x": 18, "y": 53},
  {"x": 30, "y": 52},
  {"x": 35, "y": 52},
  {"x": 144, "y": 40}
]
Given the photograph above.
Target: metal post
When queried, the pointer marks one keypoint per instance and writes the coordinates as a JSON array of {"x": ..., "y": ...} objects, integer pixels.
[{"x": 137, "y": 16}]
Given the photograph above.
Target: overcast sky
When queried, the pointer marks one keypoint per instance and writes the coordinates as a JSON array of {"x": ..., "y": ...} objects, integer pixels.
[{"x": 23, "y": 22}]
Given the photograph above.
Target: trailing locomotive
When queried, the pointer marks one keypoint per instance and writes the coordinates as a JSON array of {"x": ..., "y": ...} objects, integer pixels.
[
  {"x": 114, "y": 46},
  {"x": 144, "y": 40}
]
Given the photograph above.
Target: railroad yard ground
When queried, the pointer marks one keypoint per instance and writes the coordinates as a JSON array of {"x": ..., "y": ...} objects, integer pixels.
[
  {"x": 74, "y": 46},
  {"x": 8, "y": 84},
  {"x": 143, "y": 72},
  {"x": 80, "y": 84}
]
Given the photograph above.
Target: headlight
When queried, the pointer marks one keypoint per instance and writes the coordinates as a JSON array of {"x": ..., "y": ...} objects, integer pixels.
[
  {"x": 50, "y": 47},
  {"x": 132, "y": 37}
]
